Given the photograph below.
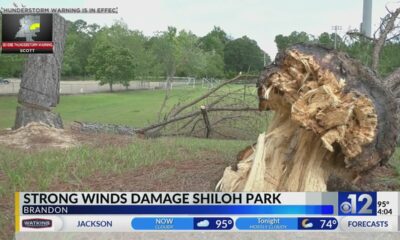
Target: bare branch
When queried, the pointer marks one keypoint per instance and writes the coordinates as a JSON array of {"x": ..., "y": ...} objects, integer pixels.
[
  {"x": 382, "y": 38},
  {"x": 205, "y": 95},
  {"x": 196, "y": 113},
  {"x": 359, "y": 35},
  {"x": 393, "y": 37},
  {"x": 160, "y": 124}
]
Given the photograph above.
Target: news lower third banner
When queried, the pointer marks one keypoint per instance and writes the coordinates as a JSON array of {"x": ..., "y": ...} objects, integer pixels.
[{"x": 205, "y": 211}]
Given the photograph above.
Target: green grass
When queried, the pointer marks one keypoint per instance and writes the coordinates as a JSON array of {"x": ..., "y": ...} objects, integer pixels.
[
  {"x": 63, "y": 165},
  {"x": 39, "y": 171},
  {"x": 134, "y": 108},
  {"x": 8, "y": 105},
  {"x": 395, "y": 160}
]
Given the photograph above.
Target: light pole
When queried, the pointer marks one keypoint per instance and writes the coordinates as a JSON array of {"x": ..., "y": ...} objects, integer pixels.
[{"x": 336, "y": 28}]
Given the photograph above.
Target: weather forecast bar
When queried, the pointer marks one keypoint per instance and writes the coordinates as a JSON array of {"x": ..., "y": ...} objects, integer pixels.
[{"x": 192, "y": 211}]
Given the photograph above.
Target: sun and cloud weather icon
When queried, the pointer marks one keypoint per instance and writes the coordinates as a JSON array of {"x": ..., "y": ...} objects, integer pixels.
[
  {"x": 204, "y": 223},
  {"x": 30, "y": 25}
]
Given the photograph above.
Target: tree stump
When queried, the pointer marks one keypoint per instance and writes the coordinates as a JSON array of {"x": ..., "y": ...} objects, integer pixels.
[
  {"x": 334, "y": 122},
  {"x": 40, "y": 84}
]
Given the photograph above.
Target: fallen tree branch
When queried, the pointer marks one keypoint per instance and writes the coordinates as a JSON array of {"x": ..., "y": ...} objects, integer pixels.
[
  {"x": 196, "y": 113},
  {"x": 179, "y": 110}
]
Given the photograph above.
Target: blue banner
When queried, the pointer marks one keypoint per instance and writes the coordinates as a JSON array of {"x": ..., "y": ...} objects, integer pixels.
[{"x": 178, "y": 209}]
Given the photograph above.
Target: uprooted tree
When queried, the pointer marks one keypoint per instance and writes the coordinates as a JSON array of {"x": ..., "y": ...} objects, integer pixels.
[{"x": 334, "y": 122}]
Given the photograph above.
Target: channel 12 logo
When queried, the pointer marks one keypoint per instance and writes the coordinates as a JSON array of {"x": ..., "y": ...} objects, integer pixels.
[{"x": 357, "y": 203}]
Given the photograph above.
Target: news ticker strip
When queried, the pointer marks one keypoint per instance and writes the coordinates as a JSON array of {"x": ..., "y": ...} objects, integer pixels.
[{"x": 191, "y": 211}]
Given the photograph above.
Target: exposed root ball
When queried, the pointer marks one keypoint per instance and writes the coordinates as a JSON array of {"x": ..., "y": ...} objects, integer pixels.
[
  {"x": 330, "y": 116},
  {"x": 318, "y": 103}
]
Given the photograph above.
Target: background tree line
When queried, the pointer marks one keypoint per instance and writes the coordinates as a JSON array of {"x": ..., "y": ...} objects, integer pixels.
[
  {"x": 359, "y": 48},
  {"x": 116, "y": 54}
]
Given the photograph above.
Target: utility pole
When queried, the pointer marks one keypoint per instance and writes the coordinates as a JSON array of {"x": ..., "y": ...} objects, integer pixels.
[
  {"x": 265, "y": 59},
  {"x": 336, "y": 28}
]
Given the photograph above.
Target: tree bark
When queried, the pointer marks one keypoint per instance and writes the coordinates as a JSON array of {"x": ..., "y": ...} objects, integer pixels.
[
  {"x": 333, "y": 120},
  {"x": 393, "y": 82},
  {"x": 40, "y": 84}
]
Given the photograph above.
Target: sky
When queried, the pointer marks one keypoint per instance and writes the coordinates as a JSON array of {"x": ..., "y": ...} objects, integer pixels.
[{"x": 260, "y": 20}]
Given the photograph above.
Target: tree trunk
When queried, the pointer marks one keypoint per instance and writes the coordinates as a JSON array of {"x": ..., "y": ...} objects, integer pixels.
[
  {"x": 334, "y": 121},
  {"x": 111, "y": 87},
  {"x": 40, "y": 85}
]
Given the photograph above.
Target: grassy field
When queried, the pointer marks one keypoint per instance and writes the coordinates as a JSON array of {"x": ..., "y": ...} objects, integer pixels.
[
  {"x": 134, "y": 108},
  {"x": 53, "y": 170},
  {"x": 66, "y": 165},
  {"x": 79, "y": 169}
]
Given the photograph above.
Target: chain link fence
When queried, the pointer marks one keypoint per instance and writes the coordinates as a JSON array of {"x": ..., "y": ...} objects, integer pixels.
[{"x": 91, "y": 86}]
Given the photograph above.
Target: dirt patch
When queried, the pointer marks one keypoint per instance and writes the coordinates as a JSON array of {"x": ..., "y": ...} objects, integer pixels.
[
  {"x": 175, "y": 176},
  {"x": 99, "y": 140},
  {"x": 193, "y": 175},
  {"x": 37, "y": 136}
]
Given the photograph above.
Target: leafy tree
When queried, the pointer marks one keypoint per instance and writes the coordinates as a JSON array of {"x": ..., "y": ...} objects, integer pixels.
[
  {"x": 282, "y": 42},
  {"x": 214, "y": 65},
  {"x": 164, "y": 48},
  {"x": 328, "y": 40},
  {"x": 78, "y": 46},
  {"x": 10, "y": 64},
  {"x": 189, "y": 55},
  {"x": 214, "y": 41},
  {"x": 243, "y": 54},
  {"x": 111, "y": 64},
  {"x": 120, "y": 35},
  {"x": 389, "y": 59},
  {"x": 178, "y": 54},
  {"x": 361, "y": 50}
]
